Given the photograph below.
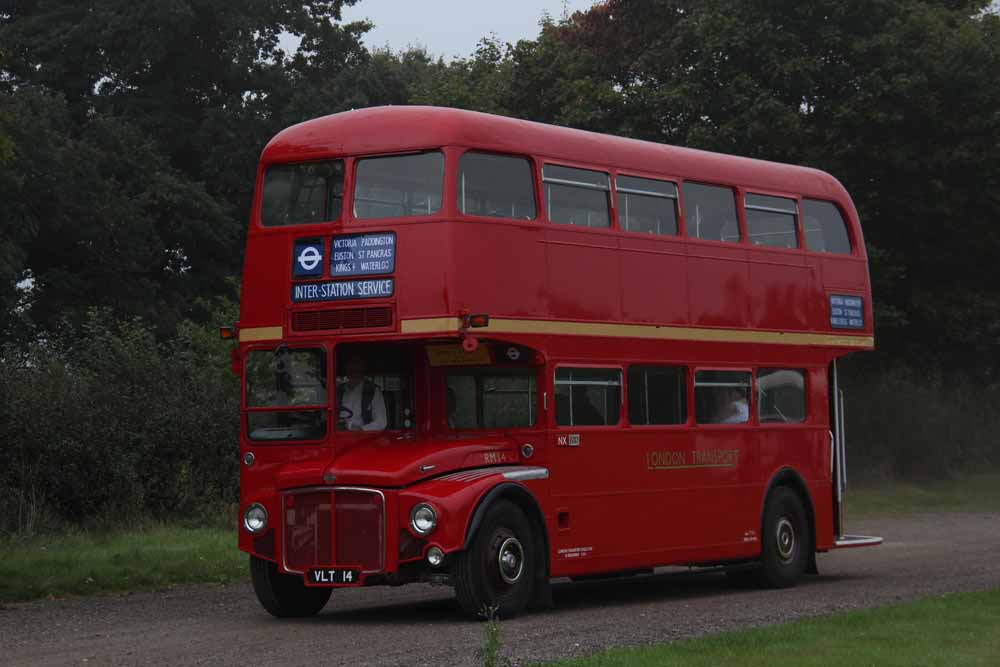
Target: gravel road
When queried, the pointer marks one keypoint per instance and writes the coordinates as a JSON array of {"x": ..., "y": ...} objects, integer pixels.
[{"x": 421, "y": 625}]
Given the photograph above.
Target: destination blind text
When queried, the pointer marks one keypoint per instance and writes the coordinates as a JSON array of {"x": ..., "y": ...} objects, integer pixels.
[{"x": 343, "y": 289}]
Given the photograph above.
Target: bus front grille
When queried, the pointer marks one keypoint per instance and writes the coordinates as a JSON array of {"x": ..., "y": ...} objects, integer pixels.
[
  {"x": 342, "y": 318},
  {"x": 324, "y": 527}
]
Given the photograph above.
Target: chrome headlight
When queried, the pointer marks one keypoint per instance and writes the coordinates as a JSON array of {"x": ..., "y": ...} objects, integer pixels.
[
  {"x": 255, "y": 518},
  {"x": 423, "y": 519}
]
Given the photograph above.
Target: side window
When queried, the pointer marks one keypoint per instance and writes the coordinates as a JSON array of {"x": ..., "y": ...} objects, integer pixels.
[
  {"x": 577, "y": 196},
  {"x": 781, "y": 395},
  {"x": 722, "y": 397},
  {"x": 647, "y": 206},
  {"x": 656, "y": 395},
  {"x": 399, "y": 185},
  {"x": 710, "y": 212},
  {"x": 588, "y": 396},
  {"x": 496, "y": 186},
  {"x": 771, "y": 221},
  {"x": 296, "y": 194},
  {"x": 824, "y": 227}
]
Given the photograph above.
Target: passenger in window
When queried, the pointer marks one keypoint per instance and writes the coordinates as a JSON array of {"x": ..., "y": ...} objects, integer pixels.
[
  {"x": 584, "y": 411},
  {"x": 733, "y": 408},
  {"x": 362, "y": 406}
]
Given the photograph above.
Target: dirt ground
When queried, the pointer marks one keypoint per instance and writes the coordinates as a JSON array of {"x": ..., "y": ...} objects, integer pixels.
[{"x": 924, "y": 555}]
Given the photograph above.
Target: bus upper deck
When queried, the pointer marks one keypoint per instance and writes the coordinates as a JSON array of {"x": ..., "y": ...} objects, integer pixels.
[{"x": 363, "y": 225}]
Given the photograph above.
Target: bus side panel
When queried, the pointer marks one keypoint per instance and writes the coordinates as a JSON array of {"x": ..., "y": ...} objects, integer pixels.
[
  {"x": 654, "y": 280},
  {"x": 805, "y": 451},
  {"x": 717, "y": 287},
  {"x": 498, "y": 268}
]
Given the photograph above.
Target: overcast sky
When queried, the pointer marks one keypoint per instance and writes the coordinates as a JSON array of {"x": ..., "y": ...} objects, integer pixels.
[{"x": 452, "y": 28}]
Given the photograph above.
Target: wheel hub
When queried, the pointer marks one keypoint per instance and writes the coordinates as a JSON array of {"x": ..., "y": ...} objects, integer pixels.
[
  {"x": 510, "y": 558},
  {"x": 785, "y": 537}
]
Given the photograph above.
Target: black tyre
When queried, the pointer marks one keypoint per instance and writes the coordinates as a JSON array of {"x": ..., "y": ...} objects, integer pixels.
[
  {"x": 498, "y": 573},
  {"x": 285, "y": 595},
  {"x": 786, "y": 541}
]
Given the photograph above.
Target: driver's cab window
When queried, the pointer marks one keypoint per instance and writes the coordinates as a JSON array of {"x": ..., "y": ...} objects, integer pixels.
[
  {"x": 491, "y": 398},
  {"x": 373, "y": 388}
]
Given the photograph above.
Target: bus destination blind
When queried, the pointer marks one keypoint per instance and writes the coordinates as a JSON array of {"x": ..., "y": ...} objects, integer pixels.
[
  {"x": 362, "y": 254},
  {"x": 341, "y": 290},
  {"x": 847, "y": 312}
]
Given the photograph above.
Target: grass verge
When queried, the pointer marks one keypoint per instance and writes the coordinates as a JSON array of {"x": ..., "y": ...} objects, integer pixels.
[
  {"x": 150, "y": 558},
  {"x": 957, "y": 629},
  {"x": 978, "y": 492}
]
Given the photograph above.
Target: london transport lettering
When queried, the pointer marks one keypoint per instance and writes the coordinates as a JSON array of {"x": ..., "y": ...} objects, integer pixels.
[
  {"x": 696, "y": 458},
  {"x": 363, "y": 254},
  {"x": 343, "y": 289}
]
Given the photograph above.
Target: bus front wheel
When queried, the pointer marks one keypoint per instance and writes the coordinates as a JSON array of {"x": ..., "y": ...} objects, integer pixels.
[
  {"x": 285, "y": 595},
  {"x": 786, "y": 541},
  {"x": 497, "y": 574}
]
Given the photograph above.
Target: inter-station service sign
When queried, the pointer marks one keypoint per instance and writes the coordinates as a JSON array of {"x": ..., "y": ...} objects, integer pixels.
[{"x": 350, "y": 255}]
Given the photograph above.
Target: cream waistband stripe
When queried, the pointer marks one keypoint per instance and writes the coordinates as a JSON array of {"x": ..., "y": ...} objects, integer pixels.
[{"x": 504, "y": 325}]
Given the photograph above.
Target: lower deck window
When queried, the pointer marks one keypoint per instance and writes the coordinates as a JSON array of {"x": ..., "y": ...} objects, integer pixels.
[
  {"x": 781, "y": 395},
  {"x": 656, "y": 395},
  {"x": 588, "y": 396},
  {"x": 722, "y": 397}
]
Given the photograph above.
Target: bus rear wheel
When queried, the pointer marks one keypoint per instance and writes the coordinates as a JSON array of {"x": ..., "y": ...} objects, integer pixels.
[
  {"x": 786, "y": 541},
  {"x": 496, "y": 575},
  {"x": 285, "y": 595}
]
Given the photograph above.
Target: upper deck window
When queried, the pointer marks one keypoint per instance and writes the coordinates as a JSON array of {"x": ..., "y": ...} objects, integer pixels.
[
  {"x": 399, "y": 186},
  {"x": 296, "y": 194},
  {"x": 710, "y": 212},
  {"x": 577, "y": 196},
  {"x": 824, "y": 227},
  {"x": 496, "y": 185},
  {"x": 646, "y": 205},
  {"x": 771, "y": 221}
]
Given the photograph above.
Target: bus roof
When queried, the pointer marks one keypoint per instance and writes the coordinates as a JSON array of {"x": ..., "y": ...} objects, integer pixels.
[{"x": 393, "y": 129}]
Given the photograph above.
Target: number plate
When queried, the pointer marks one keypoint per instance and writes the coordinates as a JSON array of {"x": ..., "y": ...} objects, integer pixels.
[{"x": 333, "y": 576}]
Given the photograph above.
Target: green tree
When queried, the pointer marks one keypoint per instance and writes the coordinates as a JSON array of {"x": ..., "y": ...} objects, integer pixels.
[{"x": 129, "y": 136}]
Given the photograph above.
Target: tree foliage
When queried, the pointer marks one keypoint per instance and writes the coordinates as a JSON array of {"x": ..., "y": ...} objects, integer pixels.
[{"x": 130, "y": 131}]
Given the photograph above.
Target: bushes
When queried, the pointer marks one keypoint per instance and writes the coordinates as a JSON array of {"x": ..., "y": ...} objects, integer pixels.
[
  {"x": 118, "y": 426},
  {"x": 913, "y": 425}
]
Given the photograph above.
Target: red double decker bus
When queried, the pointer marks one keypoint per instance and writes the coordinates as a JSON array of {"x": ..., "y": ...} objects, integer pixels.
[{"x": 489, "y": 352}]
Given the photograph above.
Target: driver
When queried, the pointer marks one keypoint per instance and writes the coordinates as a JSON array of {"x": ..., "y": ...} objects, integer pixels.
[{"x": 361, "y": 402}]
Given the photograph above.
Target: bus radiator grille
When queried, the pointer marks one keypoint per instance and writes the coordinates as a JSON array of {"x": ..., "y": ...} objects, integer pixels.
[
  {"x": 343, "y": 527},
  {"x": 342, "y": 318}
]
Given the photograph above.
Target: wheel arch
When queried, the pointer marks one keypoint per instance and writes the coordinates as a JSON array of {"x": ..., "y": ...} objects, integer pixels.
[
  {"x": 791, "y": 478},
  {"x": 521, "y": 497}
]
